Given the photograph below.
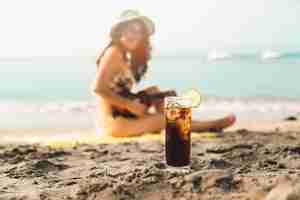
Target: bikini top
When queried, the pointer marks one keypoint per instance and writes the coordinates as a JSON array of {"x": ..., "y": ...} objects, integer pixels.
[{"x": 123, "y": 80}]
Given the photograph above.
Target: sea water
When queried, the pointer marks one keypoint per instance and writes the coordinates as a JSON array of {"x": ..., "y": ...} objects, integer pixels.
[{"x": 47, "y": 92}]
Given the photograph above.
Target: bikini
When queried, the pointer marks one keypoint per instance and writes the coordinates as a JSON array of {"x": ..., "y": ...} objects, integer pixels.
[{"x": 122, "y": 84}]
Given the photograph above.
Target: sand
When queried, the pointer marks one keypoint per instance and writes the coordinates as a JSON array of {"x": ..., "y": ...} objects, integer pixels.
[{"x": 249, "y": 161}]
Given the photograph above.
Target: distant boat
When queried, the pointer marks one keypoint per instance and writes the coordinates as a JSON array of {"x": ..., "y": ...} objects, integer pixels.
[
  {"x": 214, "y": 55},
  {"x": 269, "y": 54}
]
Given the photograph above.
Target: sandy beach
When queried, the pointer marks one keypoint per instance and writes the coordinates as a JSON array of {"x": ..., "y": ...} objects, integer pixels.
[
  {"x": 248, "y": 161},
  {"x": 65, "y": 66}
]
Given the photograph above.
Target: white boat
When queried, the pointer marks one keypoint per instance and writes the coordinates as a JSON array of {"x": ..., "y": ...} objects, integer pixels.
[
  {"x": 269, "y": 54},
  {"x": 218, "y": 55}
]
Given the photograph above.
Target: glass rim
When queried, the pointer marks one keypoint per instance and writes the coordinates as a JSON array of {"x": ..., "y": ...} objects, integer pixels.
[
  {"x": 177, "y": 97},
  {"x": 179, "y": 101}
]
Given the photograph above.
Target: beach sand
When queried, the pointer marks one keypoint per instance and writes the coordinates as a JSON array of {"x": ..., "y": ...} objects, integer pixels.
[{"x": 252, "y": 160}]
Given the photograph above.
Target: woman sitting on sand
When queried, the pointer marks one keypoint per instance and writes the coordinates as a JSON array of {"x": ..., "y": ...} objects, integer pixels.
[{"x": 121, "y": 65}]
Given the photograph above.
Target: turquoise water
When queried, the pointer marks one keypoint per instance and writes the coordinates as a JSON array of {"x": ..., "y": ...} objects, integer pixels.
[
  {"x": 52, "y": 80},
  {"x": 55, "y": 92},
  {"x": 239, "y": 77}
]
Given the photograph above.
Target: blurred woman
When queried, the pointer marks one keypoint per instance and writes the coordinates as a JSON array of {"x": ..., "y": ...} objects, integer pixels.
[{"x": 121, "y": 66}]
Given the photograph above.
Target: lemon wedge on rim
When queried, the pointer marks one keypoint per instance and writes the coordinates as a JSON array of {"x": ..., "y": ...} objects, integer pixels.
[{"x": 195, "y": 97}]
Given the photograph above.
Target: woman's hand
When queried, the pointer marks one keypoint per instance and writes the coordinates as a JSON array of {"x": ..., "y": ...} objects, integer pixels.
[
  {"x": 152, "y": 90},
  {"x": 137, "y": 107}
]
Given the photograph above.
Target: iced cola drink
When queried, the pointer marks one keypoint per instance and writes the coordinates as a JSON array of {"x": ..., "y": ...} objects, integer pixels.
[{"x": 178, "y": 116}]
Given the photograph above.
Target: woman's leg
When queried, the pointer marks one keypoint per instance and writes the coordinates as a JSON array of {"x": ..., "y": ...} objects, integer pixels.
[
  {"x": 218, "y": 124},
  {"x": 197, "y": 126},
  {"x": 123, "y": 127}
]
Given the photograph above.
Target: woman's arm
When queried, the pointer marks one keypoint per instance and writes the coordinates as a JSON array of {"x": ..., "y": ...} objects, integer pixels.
[
  {"x": 151, "y": 89},
  {"x": 108, "y": 67}
]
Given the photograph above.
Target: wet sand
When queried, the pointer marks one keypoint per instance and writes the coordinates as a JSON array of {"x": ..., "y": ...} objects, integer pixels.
[{"x": 242, "y": 163}]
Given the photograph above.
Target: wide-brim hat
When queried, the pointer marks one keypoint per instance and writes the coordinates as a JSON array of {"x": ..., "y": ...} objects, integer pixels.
[{"x": 130, "y": 15}]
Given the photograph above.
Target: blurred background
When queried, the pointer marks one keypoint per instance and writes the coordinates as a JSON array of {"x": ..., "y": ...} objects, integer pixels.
[{"x": 244, "y": 56}]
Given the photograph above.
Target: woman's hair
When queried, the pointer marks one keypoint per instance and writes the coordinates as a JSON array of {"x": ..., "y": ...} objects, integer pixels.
[{"x": 139, "y": 57}]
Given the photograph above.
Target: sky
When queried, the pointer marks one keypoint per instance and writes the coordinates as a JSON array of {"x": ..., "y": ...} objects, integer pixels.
[{"x": 80, "y": 28}]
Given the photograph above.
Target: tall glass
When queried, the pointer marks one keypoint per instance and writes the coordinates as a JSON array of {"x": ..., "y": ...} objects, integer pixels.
[{"x": 178, "y": 118}]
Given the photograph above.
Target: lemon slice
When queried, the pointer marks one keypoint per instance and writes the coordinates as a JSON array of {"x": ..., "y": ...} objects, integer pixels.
[{"x": 195, "y": 97}]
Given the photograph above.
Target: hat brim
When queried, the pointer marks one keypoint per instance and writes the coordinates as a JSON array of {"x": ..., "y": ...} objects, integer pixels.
[{"x": 146, "y": 20}]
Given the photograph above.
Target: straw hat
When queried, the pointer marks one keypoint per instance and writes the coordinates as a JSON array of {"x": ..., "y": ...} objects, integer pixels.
[{"x": 129, "y": 15}]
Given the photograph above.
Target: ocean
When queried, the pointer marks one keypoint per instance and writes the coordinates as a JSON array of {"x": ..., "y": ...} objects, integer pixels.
[{"x": 48, "y": 92}]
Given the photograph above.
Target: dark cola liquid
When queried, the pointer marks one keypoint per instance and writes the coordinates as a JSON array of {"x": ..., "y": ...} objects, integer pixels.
[{"x": 178, "y": 134}]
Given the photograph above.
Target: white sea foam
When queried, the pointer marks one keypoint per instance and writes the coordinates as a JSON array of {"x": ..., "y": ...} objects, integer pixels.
[
  {"x": 263, "y": 104},
  {"x": 81, "y": 114}
]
